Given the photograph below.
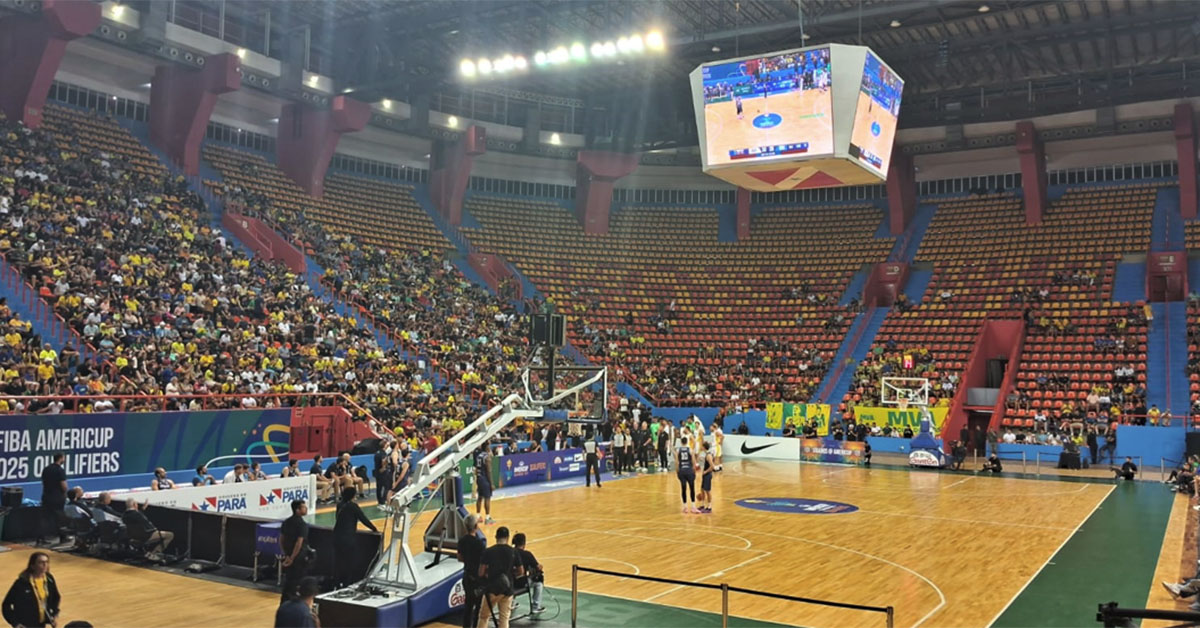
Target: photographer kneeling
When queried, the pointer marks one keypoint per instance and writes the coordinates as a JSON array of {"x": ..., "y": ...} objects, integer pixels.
[{"x": 535, "y": 577}]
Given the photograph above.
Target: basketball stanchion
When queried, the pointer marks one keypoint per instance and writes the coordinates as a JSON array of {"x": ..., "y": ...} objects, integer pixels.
[{"x": 724, "y": 588}]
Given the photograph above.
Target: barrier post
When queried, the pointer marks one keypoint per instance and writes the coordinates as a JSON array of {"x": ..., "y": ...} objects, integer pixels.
[
  {"x": 1162, "y": 469},
  {"x": 724, "y": 605},
  {"x": 891, "y": 617},
  {"x": 574, "y": 594}
]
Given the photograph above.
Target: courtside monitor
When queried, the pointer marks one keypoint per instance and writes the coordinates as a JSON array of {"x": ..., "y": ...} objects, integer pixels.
[{"x": 796, "y": 119}]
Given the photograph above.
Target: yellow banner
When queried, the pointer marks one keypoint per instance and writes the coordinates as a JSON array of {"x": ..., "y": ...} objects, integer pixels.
[
  {"x": 799, "y": 415},
  {"x": 897, "y": 418}
]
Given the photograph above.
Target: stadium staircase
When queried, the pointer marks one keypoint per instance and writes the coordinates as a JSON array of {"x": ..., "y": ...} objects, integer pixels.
[
  {"x": 907, "y": 244},
  {"x": 25, "y": 303},
  {"x": 859, "y": 339},
  {"x": 1166, "y": 227},
  {"x": 854, "y": 289},
  {"x": 1129, "y": 282},
  {"x": 1166, "y": 357}
]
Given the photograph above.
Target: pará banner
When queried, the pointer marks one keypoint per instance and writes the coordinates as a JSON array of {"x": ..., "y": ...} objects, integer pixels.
[
  {"x": 121, "y": 443},
  {"x": 898, "y": 419},
  {"x": 800, "y": 414}
]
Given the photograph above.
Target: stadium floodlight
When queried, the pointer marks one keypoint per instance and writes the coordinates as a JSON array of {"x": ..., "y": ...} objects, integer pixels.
[
  {"x": 387, "y": 104},
  {"x": 241, "y": 53},
  {"x": 555, "y": 139},
  {"x": 578, "y": 52},
  {"x": 623, "y": 44},
  {"x": 520, "y": 63},
  {"x": 117, "y": 9},
  {"x": 655, "y": 41},
  {"x": 597, "y": 49},
  {"x": 541, "y": 58},
  {"x": 610, "y": 49},
  {"x": 636, "y": 44},
  {"x": 484, "y": 66},
  {"x": 452, "y": 122},
  {"x": 467, "y": 68},
  {"x": 504, "y": 64},
  {"x": 560, "y": 55}
]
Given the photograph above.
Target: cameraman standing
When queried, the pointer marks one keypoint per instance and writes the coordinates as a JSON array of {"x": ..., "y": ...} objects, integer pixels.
[
  {"x": 535, "y": 576},
  {"x": 499, "y": 566}
]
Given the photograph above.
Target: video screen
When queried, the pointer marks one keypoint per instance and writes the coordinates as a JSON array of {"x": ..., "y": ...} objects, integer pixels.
[
  {"x": 875, "y": 115},
  {"x": 770, "y": 106}
]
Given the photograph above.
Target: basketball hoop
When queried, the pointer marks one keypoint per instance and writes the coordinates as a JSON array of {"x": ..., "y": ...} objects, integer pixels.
[{"x": 902, "y": 403}]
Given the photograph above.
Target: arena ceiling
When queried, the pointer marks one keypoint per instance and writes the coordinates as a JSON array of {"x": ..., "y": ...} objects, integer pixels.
[{"x": 963, "y": 61}]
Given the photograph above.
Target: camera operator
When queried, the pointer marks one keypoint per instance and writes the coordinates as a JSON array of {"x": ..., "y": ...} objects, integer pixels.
[
  {"x": 498, "y": 567},
  {"x": 535, "y": 576},
  {"x": 470, "y": 548}
]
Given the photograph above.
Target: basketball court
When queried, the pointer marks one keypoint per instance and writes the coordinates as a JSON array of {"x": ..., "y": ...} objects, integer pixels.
[
  {"x": 874, "y": 129},
  {"x": 779, "y": 119},
  {"x": 944, "y": 549}
]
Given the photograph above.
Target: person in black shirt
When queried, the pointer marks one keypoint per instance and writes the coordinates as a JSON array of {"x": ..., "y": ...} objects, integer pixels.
[
  {"x": 293, "y": 540},
  {"x": 498, "y": 566},
  {"x": 349, "y": 515},
  {"x": 1128, "y": 470},
  {"x": 297, "y": 612},
  {"x": 470, "y": 548},
  {"x": 324, "y": 486},
  {"x": 535, "y": 577},
  {"x": 992, "y": 464},
  {"x": 383, "y": 478},
  {"x": 134, "y": 518},
  {"x": 54, "y": 496}
]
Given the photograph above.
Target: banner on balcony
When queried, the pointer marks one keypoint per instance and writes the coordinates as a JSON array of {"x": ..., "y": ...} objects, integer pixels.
[
  {"x": 898, "y": 419},
  {"x": 122, "y": 443},
  {"x": 800, "y": 414}
]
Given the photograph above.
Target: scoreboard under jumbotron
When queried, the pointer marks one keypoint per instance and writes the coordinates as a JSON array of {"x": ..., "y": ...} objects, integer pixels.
[{"x": 822, "y": 116}]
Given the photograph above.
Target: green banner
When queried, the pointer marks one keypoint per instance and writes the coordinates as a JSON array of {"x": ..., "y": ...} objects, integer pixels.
[
  {"x": 898, "y": 419},
  {"x": 799, "y": 415}
]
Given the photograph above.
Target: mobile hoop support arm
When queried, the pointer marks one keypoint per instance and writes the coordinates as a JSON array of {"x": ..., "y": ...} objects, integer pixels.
[{"x": 396, "y": 567}]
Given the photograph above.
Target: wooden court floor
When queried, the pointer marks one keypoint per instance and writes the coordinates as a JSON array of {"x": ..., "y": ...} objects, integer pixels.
[
  {"x": 860, "y": 134},
  {"x": 806, "y": 117},
  {"x": 943, "y": 549}
]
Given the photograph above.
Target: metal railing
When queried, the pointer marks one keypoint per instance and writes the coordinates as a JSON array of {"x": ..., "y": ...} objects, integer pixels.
[
  {"x": 725, "y": 590},
  {"x": 220, "y": 401},
  {"x": 1113, "y": 616}
]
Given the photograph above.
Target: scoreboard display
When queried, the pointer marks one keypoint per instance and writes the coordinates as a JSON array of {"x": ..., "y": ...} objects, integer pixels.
[{"x": 823, "y": 116}]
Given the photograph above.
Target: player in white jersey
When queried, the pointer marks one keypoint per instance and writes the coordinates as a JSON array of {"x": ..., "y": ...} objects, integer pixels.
[{"x": 718, "y": 440}]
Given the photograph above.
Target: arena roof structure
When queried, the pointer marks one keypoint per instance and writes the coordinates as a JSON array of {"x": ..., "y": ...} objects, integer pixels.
[{"x": 963, "y": 60}]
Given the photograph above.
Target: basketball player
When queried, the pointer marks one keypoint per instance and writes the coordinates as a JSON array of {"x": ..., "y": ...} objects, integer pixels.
[
  {"x": 737, "y": 102},
  {"x": 400, "y": 470},
  {"x": 707, "y": 468},
  {"x": 718, "y": 441},
  {"x": 483, "y": 482},
  {"x": 685, "y": 471}
]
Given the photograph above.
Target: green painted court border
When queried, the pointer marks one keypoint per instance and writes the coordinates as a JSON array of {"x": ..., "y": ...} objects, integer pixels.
[
  {"x": 597, "y": 609},
  {"x": 1111, "y": 556}
]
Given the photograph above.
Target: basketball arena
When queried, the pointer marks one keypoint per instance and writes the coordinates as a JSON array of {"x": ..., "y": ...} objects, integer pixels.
[{"x": 602, "y": 313}]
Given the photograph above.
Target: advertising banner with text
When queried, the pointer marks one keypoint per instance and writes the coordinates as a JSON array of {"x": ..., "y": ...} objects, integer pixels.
[
  {"x": 898, "y": 419},
  {"x": 121, "y": 443},
  {"x": 270, "y": 499}
]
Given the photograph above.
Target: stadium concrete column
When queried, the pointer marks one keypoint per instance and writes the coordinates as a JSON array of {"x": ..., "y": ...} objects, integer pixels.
[
  {"x": 743, "y": 214},
  {"x": 595, "y": 173},
  {"x": 901, "y": 191},
  {"x": 1033, "y": 171},
  {"x": 307, "y": 138},
  {"x": 1185, "y": 147},
  {"x": 182, "y": 100},
  {"x": 450, "y": 172},
  {"x": 32, "y": 47}
]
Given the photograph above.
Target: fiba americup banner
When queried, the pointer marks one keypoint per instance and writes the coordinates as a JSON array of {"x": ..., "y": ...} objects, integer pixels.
[
  {"x": 897, "y": 418},
  {"x": 123, "y": 443},
  {"x": 800, "y": 414},
  {"x": 830, "y": 450},
  {"x": 267, "y": 498},
  {"x": 544, "y": 465}
]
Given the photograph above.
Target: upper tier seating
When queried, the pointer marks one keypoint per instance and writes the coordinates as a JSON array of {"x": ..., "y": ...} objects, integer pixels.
[
  {"x": 1058, "y": 275},
  {"x": 372, "y": 212},
  {"x": 683, "y": 315},
  {"x": 382, "y": 253}
]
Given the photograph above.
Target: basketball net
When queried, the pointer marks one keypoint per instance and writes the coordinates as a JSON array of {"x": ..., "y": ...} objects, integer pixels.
[{"x": 902, "y": 403}]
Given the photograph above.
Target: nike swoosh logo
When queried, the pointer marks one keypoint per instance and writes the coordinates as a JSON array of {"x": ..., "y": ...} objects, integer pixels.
[{"x": 749, "y": 450}]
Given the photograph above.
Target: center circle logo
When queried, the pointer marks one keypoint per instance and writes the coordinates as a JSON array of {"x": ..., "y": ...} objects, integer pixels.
[
  {"x": 797, "y": 506},
  {"x": 876, "y": 129},
  {"x": 767, "y": 120}
]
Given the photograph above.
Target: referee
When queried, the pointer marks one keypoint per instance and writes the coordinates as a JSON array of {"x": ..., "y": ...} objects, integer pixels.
[{"x": 593, "y": 461}]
